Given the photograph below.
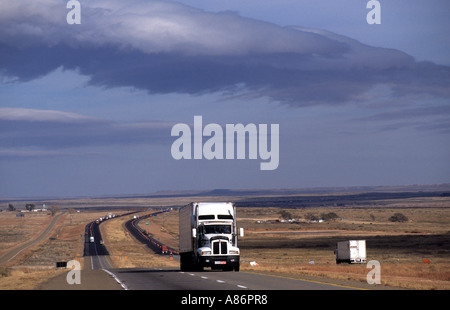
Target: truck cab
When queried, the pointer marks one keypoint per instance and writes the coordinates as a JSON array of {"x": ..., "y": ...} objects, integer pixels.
[{"x": 212, "y": 238}]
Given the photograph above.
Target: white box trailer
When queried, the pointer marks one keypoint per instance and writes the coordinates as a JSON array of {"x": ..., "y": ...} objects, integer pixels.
[{"x": 352, "y": 251}]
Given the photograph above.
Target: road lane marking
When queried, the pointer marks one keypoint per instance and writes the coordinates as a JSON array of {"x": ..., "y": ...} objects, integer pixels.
[
  {"x": 218, "y": 281},
  {"x": 305, "y": 280},
  {"x": 117, "y": 279}
]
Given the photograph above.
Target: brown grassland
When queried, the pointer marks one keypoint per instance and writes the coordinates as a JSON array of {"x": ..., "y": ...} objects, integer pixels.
[{"x": 414, "y": 254}]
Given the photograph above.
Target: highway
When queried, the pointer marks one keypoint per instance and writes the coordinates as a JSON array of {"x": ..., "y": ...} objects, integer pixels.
[
  {"x": 174, "y": 279},
  {"x": 95, "y": 275},
  {"x": 102, "y": 275},
  {"x": 93, "y": 248},
  {"x": 99, "y": 274}
]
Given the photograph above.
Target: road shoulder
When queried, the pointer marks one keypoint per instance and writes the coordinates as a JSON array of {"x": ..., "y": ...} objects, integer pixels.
[{"x": 90, "y": 280}]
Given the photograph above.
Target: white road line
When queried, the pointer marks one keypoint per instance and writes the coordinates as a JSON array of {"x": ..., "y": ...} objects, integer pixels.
[
  {"x": 117, "y": 279},
  {"x": 218, "y": 281}
]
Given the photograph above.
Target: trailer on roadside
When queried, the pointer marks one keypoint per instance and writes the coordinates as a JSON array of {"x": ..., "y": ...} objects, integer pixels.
[{"x": 351, "y": 251}]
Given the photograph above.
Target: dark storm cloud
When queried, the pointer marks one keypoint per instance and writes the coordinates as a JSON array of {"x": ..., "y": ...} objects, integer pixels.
[{"x": 165, "y": 47}]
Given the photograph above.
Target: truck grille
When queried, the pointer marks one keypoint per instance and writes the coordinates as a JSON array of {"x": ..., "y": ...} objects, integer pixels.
[{"x": 220, "y": 247}]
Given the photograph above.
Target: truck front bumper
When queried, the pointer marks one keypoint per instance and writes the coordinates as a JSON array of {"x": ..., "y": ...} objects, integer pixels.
[{"x": 219, "y": 261}]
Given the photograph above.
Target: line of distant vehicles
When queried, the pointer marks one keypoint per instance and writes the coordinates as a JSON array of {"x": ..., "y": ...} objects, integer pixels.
[
  {"x": 110, "y": 215},
  {"x": 106, "y": 217}
]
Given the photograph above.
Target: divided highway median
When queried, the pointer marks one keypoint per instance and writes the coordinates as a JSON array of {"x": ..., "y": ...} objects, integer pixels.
[{"x": 142, "y": 236}]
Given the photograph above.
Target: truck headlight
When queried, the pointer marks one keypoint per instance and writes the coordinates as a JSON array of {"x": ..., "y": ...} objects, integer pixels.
[
  {"x": 234, "y": 251},
  {"x": 206, "y": 253}
]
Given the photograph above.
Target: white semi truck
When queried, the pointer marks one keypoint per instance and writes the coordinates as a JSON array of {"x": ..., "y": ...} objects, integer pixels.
[
  {"x": 208, "y": 236},
  {"x": 352, "y": 251}
]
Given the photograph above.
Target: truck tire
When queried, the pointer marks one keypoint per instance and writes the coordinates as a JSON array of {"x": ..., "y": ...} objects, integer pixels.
[
  {"x": 189, "y": 263},
  {"x": 185, "y": 261}
]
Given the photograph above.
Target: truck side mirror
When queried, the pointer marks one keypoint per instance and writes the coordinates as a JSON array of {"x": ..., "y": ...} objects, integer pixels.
[
  {"x": 194, "y": 233},
  {"x": 241, "y": 232}
]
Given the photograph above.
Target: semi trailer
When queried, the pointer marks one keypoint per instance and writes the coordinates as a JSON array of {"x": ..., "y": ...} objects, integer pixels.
[{"x": 352, "y": 251}]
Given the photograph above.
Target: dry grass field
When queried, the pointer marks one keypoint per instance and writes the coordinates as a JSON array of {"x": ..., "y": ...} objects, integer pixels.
[
  {"x": 17, "y": 230},
  {"x": 400, "y": 247},
  {"x": 413, "y": 254}
]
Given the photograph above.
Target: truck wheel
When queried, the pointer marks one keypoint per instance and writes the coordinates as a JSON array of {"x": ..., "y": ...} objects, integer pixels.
[
  {"x": 185, "y": 262},
  {"x": 236, "y": 269},
  {"x": 182, "y": 264}
]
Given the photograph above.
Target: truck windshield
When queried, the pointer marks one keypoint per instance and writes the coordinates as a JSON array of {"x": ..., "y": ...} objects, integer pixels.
[{"x": 216, "y": 229}]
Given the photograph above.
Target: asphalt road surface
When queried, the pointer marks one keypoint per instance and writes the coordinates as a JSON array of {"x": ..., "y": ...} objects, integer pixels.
[
  {"x": 93, "y": 248},
  {"x": 174, "y": 279},
  {"x": 95, "y": 275}
]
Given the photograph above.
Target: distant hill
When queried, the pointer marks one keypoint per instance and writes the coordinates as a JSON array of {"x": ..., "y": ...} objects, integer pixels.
[
  {"x": 444, "y": 187},
  {"x": 437, "y": 189}
]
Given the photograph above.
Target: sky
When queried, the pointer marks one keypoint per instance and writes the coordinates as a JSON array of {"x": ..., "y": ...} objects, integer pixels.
[{"x": 88, "y": 109}]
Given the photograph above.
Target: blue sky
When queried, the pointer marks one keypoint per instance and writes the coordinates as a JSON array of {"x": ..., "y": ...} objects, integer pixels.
[{"x": 88, "y": 109}]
